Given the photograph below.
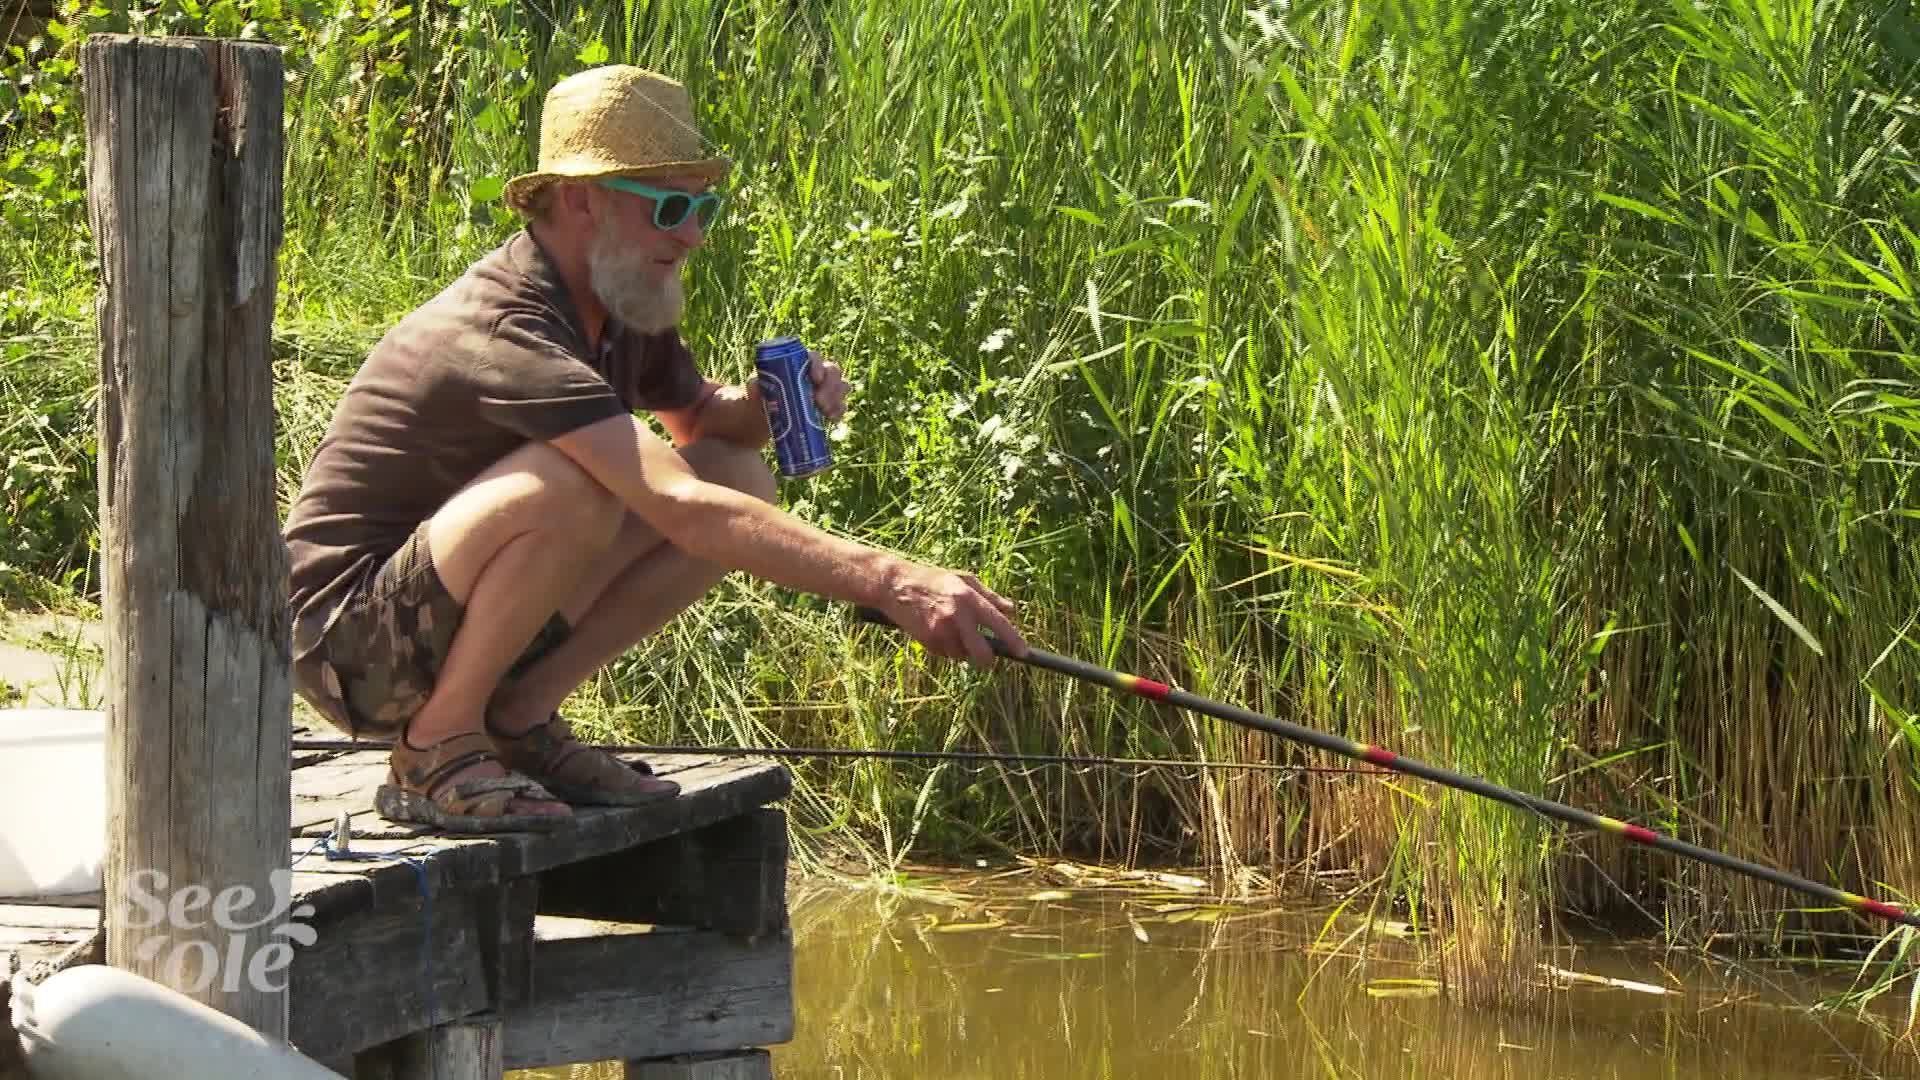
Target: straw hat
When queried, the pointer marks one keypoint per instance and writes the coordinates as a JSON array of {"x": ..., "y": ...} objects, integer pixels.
[{"x": 616, "y": 120}]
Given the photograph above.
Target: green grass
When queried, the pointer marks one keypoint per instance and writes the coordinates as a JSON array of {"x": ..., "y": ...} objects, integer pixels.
[{"x": 1526, "y": 385}]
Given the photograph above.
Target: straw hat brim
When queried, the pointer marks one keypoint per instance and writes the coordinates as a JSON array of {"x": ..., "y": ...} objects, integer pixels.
[{"x": 522, "y": 187}]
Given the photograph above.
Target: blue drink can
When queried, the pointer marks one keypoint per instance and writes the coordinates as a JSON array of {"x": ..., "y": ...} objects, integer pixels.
[{"x": 799, "y": 433}]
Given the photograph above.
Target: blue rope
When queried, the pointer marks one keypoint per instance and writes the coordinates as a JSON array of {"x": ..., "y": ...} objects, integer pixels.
[{"x": 334, "y": 854}]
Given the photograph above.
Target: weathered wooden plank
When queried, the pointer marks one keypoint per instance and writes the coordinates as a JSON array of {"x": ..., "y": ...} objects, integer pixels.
[
  {"x": 35, "y": 961},
  {"x": 331, "y": 896},
  {"x": 394, "y": 867},
  {"x": 744, "y": 1065},
  {"x": 19, "y": 916},
  {"x": 91, "y": 899},
  {"x": 709, "y": 794},
  {"x": 315, "y": 819},
  {"x": 466, "y": 1049},
  {"x": 672, "y": 765},
  {"x": 321, "y": 793},
  {"x": 370, "y": 978},
  {"x": 184, "y": 167},
  {"x": 506, "y": 921},
  {"x": 36, "y": 952},
  {"x": 606, "y": 991},
  {"x": 42, "y": 939},
  {"x": 730, "y": 876},
  {"x": 13, "y": 937},
  {"x": 353, "y": 774}
]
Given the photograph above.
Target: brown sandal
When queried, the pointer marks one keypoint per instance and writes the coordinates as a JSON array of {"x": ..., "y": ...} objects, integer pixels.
[
  {"x": 579, "y": 773},
  {"x": 418, "y": 790}
]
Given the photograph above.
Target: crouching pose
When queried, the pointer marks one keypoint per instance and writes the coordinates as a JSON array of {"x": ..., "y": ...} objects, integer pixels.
[{"x": 489, "y": 519}]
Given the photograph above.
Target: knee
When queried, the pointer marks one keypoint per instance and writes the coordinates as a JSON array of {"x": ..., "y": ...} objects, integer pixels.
[
  {"x": 720, "y": 462},
  {"x": 568, "y": 500}
]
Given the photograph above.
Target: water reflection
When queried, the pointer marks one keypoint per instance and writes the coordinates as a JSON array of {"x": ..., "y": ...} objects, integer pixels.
[{"x": 1031, "y": 983}]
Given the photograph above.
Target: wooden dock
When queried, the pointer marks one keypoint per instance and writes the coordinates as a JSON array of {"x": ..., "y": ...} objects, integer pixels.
[{"x": 655, "y": 936}]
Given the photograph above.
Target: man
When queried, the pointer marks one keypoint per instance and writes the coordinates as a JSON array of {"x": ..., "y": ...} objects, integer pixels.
[{"x": 488, "y": 522}]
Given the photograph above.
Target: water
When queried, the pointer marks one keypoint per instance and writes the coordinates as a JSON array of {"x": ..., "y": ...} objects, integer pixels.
[{"x": 1014, "y": 980}]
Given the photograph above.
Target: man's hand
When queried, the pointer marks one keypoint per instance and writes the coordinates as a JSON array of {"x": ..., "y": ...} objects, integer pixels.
[
  {"x": 944, "y": 611},
  {"x": 829, "y": 386}
]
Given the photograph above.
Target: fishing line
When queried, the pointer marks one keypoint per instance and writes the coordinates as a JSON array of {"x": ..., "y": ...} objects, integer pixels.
[{"x": 983, "y": 757}]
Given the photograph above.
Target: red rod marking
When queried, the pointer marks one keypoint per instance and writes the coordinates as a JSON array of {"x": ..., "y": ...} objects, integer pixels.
[
  {"x": 1885, "y": 911},
  {"x": 1380, "y": 755},
  {"x": 1147, "y": 688},
  {"x": 1640, "y": 835}
]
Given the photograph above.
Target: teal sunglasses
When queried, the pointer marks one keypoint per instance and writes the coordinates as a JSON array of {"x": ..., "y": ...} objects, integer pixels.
[{"x": 670, "y": 207}]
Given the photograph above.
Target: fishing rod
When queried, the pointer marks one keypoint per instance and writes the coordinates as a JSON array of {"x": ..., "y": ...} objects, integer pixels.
[{"x": 1387, "y": 759}]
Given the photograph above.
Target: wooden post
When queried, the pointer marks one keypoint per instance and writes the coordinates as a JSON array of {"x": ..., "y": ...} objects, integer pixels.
[
  {"x": 184, "y": 170},
  {"x": 467, "y": 1049}
]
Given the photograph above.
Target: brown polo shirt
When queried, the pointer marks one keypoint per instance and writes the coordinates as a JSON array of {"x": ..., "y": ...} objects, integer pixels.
[{"x": 497, "y": 360}]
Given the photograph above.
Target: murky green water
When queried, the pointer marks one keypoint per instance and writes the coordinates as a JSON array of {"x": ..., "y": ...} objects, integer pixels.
[{"x": 1161, "y": 984}]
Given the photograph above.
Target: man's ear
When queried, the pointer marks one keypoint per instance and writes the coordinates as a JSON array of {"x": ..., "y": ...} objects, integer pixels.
[{"x": 575, "y": 199}]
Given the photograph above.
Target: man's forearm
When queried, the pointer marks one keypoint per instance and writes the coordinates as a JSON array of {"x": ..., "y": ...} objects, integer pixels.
[
  {"x": 725, "y": 527},
  {"x": 734, "y": 413},
  {"x": 729, "y": 528}
]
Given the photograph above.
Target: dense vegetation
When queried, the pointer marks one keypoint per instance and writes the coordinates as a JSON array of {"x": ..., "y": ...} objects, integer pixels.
[{"x": 1527, "y": 385}]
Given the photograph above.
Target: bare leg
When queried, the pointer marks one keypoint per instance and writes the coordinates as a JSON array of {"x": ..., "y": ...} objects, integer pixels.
[
  {"x": 638, "y": 586},
  {"x": 528, "y": 529}
]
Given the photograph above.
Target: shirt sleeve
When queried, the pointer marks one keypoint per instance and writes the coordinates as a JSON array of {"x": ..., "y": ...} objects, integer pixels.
[{"x": 531, "y": 382}]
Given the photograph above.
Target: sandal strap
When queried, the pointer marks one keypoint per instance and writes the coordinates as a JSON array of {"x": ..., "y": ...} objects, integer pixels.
[
  {"x": 576, "y": 771},
  {"x": 429, "y": 772},
  {"x": 550, "y": 744}
]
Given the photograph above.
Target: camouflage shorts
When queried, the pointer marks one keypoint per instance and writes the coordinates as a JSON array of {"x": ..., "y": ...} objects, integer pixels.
[{"x": 378, "y": 656}]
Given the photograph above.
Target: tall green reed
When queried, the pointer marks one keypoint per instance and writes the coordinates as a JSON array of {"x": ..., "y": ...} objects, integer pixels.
[{"x": 1523, "y": 384}]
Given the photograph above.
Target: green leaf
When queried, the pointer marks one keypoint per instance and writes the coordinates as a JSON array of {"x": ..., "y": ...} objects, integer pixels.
[
  {"x": 490, "y": 121},
  {"x": 1638, "y": 207},
  {"x": 1878, "y": 280},
  {"x": 487, "y": 188},
  {"x": 223, "y": 19},
  {"x": 1780, "y": 610},
  {"x": 595, "y": 52},
  {"x": 1787, "y": 427}
]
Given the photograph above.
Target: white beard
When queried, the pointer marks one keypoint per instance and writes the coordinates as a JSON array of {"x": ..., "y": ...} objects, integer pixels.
[{"x": 620, "y": 279}]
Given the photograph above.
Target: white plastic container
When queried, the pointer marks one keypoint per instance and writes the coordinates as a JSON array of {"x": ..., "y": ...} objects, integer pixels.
[
  {"x": 53, "y": 801},
  {"x": 94, "y": 1022}
]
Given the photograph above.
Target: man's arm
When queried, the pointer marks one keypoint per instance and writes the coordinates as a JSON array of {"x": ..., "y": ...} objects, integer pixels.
[
  {"x": 941, "y": 609},
  {"x": 733, "y": 413}
]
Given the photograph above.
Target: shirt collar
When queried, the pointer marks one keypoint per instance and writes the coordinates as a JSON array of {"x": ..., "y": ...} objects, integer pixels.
[
  {"x": 537, "y": 266},
  {"x": 543, "y": 275}
]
